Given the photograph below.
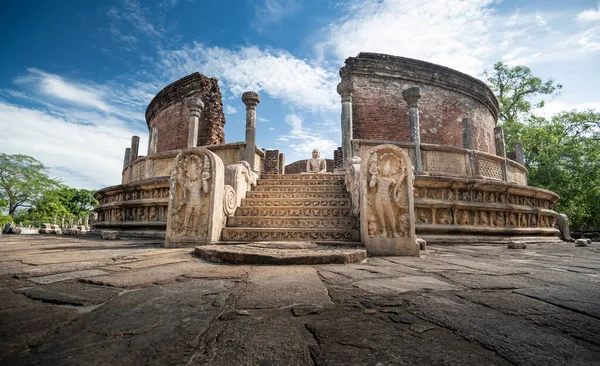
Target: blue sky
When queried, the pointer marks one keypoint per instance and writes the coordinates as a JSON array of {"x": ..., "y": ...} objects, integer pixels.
[{"x": 76, "y": 76}]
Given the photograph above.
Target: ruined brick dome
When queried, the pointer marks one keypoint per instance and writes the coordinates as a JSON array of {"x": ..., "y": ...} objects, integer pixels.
[
  {"x": 168, "y": 115},
  {"x": 448, "y": 97}
]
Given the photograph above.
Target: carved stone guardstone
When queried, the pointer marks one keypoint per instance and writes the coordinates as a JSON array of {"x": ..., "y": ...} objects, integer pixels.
[
  {"x": 386, "y": 203},
  {"x": 195, "y": 213}
]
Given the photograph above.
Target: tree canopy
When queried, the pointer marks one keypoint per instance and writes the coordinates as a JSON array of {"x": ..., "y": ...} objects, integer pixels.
[
  {"x": 562, "y": 153},
  {"x": 23, "y": 179},
  {"x": 28, "y": 194}
]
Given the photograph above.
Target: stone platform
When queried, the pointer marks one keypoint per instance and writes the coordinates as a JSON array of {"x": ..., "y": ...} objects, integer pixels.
[
  {"x": 278, "y": 253},
  {"x": 80, "y": 300}
]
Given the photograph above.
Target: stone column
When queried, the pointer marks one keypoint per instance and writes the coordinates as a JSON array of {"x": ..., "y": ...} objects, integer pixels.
[
  {"x": 412, "y": 96},
  {"x": 195, "y": 106},
  {"x": 344, "y": 89},
  {"x": 281, "y": 163},
  {"x": 152, "y": 141},
  {"x": 251, "y": 100},
  {"x": 501, "y": 148},
  {"x": 519, "y": 157},
  {"x": 467, "y": 128},
  {"x": 126, "y": 157},
  {"x": 135, "y": 145}
]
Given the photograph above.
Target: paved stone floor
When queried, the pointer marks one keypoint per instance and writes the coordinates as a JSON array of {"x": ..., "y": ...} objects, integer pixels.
[{"x": 78, "y": 300}]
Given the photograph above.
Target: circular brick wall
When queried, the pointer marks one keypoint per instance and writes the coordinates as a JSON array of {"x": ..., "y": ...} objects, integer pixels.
[
  {"x": 447, "y": 96},
  {"x": 169, "y": 113}
]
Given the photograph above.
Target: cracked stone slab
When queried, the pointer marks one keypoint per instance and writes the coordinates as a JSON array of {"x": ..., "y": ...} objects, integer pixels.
[
  {"x": 517, "y": 341},
  {"x": 396, "y": 285},
  {"x": 486, "y": 281},
  {"x": 258, "y": 339},
  {"x": 209, "y": 270},
  {"x": 44, "y": 280},
  {"x": 23, "y": 321},
  {"x": 542, "y": 313},
  {"x": 159, "y": 325},
  {"x": 585, "y": 298},
  {"x": 73, "y": 293},
  {"x": 277, "y": 287},
  {"x": 145, "y": 277},
  {"x": 350, "y": 337}
]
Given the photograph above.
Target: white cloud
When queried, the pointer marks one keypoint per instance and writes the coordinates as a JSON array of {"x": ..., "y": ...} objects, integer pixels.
[
  {"x": 556, "y": 106},
  {"x": 452, "y": 33},
  {"x": 301, "y": 139},
  {"x": 57, "y": 87},
  {"x": 589, "y": 15},
  {"x": 590, "y": 40},
  {"x": 86, "y": 155},
  {"x": 230, "y": 109},
  {"x": 275, "y": 72},
  {"x": 273, "y": 11}
]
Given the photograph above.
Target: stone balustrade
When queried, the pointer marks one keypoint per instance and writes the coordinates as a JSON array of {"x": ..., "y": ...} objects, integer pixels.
[
  {"x": 161, "y": 164},
  {"x": 451, "y": 161}
]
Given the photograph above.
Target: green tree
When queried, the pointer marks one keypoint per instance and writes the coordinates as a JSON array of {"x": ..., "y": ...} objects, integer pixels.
[
  {"x": 519, "y": 93},
  {"x": 563, "y": 155},
  {"x": 65, "y": 200},
  {"x": 23, "y": 180}
]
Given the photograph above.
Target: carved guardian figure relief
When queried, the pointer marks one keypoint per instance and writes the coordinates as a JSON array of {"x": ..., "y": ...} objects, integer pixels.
[
  {"x": 386, "y": 202},
  {"x": 191, "y": 189},
  {"x": 195, "y": 211}
]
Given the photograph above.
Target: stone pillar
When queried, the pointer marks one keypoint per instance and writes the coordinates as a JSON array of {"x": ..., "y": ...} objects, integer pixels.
[
  {"x": 127, "y": 157},
  {"x": 412, "y": 96},
  {"x": 251, "y": 100},
  {"x": 501, "y": 149},
  {"x": 467, "y": 128},
  {"x": 519, "y": 157},
  {"x": 195, "y": 106},
  {"x": 152, "y": 141},
  {"x": 271, "y": 163},
  {"x": 135, "y": 145},
  {"x": 281, "y": 163},
  {"x": 344, "y": 89}
]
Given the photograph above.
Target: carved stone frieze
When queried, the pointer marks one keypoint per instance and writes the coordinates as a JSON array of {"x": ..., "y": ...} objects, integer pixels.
[
  {"x": 286, "y": 211},
  {"x": 312, "y": 202},
  {"x": 243, "y": 235}
]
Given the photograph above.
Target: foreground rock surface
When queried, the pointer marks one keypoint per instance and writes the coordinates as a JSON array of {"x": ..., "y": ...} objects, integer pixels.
[{"x": 82, "y": 300}]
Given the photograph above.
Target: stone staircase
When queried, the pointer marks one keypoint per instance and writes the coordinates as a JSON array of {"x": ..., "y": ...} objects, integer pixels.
[{"x": 295, "y": 207}]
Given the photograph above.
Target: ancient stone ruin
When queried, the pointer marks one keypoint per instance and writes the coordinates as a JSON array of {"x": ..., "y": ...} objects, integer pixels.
[{"x": 421, "y": 157}]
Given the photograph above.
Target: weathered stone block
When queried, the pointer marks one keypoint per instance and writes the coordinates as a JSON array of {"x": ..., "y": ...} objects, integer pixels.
[
  {"x": 517, "y": 245},
  {"x": 109, "y": 235},
  {"x": 582, "y": 242}
]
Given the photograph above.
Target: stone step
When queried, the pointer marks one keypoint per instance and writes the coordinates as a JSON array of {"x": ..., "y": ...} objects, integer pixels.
[
  {"x": 295, "y": 202},
  {"x": 292, "y": 222},
  {"x": 304, "y": 176},
  {"x": 276, "y": 253},
  {"x": 287, "y": 211},
  {"x": 300, "y": 182},
  {"x": 299, "y": 189},
  {"x": 303, "y": 195},
  {"x": 247, "y": 234}
]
